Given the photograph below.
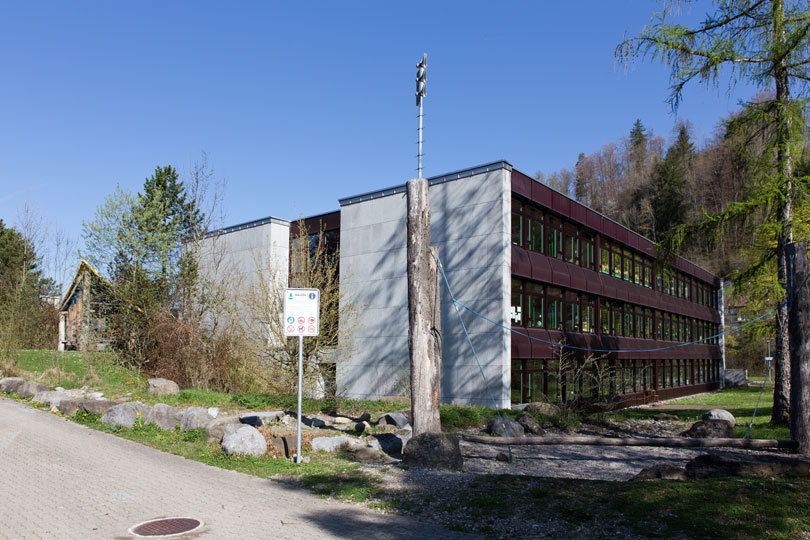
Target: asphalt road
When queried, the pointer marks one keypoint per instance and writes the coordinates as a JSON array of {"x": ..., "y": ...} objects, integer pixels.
[{"x": 61, "y": 480}]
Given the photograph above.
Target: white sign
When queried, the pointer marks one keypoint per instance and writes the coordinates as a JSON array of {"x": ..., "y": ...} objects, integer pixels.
[{"x": 302, "y": 312}]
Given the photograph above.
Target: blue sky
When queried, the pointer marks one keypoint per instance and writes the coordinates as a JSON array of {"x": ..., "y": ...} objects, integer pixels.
[{"x": 298, "y": 104}]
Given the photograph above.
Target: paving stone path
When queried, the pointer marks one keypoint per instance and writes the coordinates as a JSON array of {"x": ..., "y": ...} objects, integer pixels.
[{"x": 61, "y": 480}]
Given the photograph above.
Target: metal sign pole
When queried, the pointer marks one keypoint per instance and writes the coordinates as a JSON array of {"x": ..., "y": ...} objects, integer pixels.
[{"x": 300, "y": 388}]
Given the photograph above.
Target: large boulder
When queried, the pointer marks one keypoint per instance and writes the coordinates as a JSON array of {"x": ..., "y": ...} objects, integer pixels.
[
  {"x": 393, "y": 418},
  {"x": 541, "y": 407},
  {"x": 710, "y": 465},
  {"x": 51, "y": 397},
  {"x": 720, "y": 414},
  {"x": 435, "y": 450},
  {"x": 394, "y": 443},
  {"x": 9, "y": 385},
  {"x": 162, "y": 387},
  {"x": 124, "y": 414},
  {"x": 245, "y": 441},
  {"x": 710, "y": 429},
  {"x": 660, "y": 471},
  {"x": 195, "y": 418},
  {"x": 286, "y": 446},
  {"x": 69, "y": 407},
  {"x": 333, "y": 444},
  {"x": 505, "y": 427},
  {"x": 29, "y": 389},
  {"x": 96, "y": 406},
  {"x": 258, "y": 419},
  {"x": 215, "y": 430},
  {"x": 529, "y": 423},
  {"x": 164, "y": 416}
]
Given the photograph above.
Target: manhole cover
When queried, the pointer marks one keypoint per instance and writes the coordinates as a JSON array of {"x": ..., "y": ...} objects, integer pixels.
[{"x": 166, "y": 527}]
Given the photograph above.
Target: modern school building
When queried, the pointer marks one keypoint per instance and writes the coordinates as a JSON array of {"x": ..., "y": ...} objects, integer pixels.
[{"x": 551, "y": 282}]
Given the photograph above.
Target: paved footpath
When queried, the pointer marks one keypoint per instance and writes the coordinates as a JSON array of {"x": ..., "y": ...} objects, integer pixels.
[{"x": 61, "y": 480}]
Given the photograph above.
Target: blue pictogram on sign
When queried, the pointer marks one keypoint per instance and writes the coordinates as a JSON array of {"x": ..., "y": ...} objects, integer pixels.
[
  {"x": 312, "y": 296},
  {"x": 290, "y": 320}
]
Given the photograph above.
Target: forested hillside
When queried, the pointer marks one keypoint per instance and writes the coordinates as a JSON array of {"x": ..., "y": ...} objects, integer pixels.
[{"x": 660, "y": 186}]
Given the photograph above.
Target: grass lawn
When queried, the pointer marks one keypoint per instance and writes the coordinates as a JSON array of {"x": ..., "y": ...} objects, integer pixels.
[
  {"x": 712, "y": 508},
  {"x": 740, "y": 402}
]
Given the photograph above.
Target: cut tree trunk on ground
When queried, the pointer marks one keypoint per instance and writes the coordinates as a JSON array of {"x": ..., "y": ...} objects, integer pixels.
[{"x": 674, "y": 442}]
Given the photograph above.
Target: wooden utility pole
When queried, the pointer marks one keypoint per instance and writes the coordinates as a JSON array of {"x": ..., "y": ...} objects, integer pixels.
[
  {"x": 799, "y": 332},
  {"x": 424, "y": 314}
]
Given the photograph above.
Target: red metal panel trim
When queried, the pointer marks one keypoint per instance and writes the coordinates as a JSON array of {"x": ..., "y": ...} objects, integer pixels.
[
  {"x": 521, "y": 184},
  {"x": 541, "y": 271},
  {"x": 521, "y": 266}
]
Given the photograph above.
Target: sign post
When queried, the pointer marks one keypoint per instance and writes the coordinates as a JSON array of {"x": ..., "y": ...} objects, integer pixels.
[{"x": 301, "y": 317}]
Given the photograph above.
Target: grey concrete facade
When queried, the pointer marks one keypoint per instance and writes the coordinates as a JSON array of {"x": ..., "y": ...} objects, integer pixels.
[
  {"x": 232, "y": 258},
  {"x": 243, "y": 250},
  {"x": 470, "y": 224}
]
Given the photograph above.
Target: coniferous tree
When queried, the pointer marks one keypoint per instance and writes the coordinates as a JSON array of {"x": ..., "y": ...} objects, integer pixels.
[
  {"x": 765, "y": 42},
  {"x": 669, "y": 209}
]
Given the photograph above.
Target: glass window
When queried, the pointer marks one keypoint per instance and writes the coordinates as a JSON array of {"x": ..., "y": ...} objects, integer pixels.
[
  {"x": 687, "y": 326},
  {"x": 588, "y": 314},
  {"x": 648, "y": 324},
  {"x": 604, "y": 317},
  {"x": 571, "y": 311},
  {"x": 516, "y": 312},
  {"x": 534, "y": 299},
  {"x": 628, "y": 320},
  {"x": 638, "y": 272},
  {"x": 604, "y": 257},
  {"x": 639, "y": 322},
  {"x": 554, "y": 237},
  {"x": 617, "y": 263},
  {"x": 571, "y": 244},
  {"x": 667, "y": 327},
  {"x": 627, "y": 268},
  {"x": 659, "y": 326},
  {"x": 587, "y": 250},
  {"x": 535, "y": 240},
  {"x": 554, "y": 308},
  {"x": 648, "y": 277},
  {"x": 616, "y": 316},
  {"x": 687, "y": 291},
  {"x": 517, "y": 222}
]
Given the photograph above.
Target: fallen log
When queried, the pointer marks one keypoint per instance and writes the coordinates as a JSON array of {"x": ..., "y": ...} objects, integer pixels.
[{"x": 674, "y": 442}]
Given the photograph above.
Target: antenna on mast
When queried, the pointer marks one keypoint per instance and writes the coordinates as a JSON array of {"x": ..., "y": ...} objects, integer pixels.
[{"x": 421, "y": 92}]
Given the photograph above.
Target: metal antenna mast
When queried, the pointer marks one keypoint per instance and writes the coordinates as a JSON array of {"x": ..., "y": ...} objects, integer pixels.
[{"x": 421, "y": 92}]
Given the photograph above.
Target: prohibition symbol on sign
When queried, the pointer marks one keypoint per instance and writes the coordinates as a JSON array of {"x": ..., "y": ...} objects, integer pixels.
[{"x": 301, "y": 314}]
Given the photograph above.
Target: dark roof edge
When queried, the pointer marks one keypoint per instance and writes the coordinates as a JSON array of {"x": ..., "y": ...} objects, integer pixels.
[
  {"x": 494, "y": 166},
  {"x": 247, "y": 225}
]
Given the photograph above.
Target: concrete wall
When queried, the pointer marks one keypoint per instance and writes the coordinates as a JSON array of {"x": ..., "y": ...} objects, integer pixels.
[
  {"x": 470, "y": 224},
  {"x": 231, "y": 259}
]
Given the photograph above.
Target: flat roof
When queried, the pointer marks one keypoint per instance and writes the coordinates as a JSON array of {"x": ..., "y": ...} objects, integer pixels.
[
  {"x": 248, "y": 225},
  {"x": 463, "y": 173}
]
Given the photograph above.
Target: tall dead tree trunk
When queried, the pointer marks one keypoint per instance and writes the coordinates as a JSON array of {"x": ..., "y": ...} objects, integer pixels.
[
  {"x": 799, "y": 318},
  {"x": 424, "y": 327}
]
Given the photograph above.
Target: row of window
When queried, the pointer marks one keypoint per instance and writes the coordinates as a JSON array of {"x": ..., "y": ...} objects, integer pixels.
[
  {"x": 539, "y": 379},
  {"x": 535, "y": 305},
  {"x": 546, "y": 233}
]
